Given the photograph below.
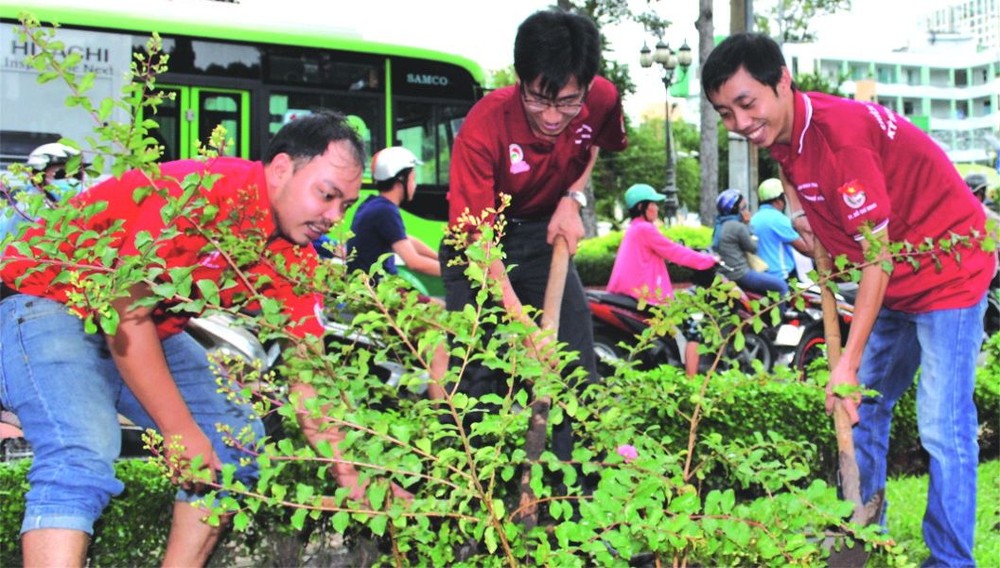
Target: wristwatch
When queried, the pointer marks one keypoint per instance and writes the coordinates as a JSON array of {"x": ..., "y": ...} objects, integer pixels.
[{"x": 578, "y": 196}]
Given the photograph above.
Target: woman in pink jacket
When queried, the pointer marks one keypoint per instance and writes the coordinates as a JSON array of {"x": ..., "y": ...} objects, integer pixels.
[{"x": 640, "y": 269}]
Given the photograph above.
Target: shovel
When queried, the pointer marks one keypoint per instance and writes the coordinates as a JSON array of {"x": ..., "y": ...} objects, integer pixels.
[
  {"x": 850, "y": 554},
  {"x": 534, "y": 438}
]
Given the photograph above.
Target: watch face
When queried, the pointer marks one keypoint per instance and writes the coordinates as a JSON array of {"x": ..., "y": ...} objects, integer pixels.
[{"x": 579, "y": 197}]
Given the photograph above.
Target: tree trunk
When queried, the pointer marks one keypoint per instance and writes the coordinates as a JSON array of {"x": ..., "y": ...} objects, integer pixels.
[{"x": 709, "y": 151}]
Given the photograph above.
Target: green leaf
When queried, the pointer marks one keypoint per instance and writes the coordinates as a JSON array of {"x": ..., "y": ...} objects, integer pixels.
[
  {"x": 377, "y": 524},
  {"x": 303, "y": 492},
  {"x": 376, "y": 494},
  {"x": 340, "y": 521},
  {"x": 241, "y": 521},
  {"x": 209, "y": 291},
  {"x": 298, "y": 520},
  {"x": 490, "y": 539}
]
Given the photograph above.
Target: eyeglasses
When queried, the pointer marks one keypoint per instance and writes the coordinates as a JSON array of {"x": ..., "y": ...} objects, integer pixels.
[{"x": 569, "y": 106}]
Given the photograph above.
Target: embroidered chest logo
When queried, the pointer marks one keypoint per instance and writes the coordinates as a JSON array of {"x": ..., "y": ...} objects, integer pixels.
[
  {"x": 517, "y": 163},
  {"x": 853, "y": 193},
  {"x": 583, "y": 134},
  {"x": 213, "y": 260}
]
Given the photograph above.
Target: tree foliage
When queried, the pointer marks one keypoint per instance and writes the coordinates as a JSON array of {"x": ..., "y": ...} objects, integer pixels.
[
  {"x": 808, "y": 83},
  {"x": 788, "y": 21}
]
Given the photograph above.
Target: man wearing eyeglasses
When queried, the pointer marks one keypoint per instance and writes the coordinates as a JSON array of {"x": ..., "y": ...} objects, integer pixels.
[{"x": 537, "y": 142}]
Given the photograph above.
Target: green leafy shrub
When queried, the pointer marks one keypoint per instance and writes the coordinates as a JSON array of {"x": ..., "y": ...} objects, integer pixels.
[{"x": 131, "y": 532}]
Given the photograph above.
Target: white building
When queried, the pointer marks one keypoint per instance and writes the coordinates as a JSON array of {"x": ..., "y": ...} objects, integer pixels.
[
  {"x": 977, "y": 18},
  {"x": 946, "y": 84}
]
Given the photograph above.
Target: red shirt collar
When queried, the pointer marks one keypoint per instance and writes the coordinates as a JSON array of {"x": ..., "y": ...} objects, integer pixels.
[{"x": 801, "y": 121}]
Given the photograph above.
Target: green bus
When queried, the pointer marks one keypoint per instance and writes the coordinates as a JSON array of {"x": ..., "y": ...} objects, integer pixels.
[{"x": 251, "y": 73}]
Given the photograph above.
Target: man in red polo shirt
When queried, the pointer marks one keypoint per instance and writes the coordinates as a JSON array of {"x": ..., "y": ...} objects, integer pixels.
[
  {"x": 865, "y": 176},
  {"x": 67, "y": 386},
  {"x": 536, "y": 141}
]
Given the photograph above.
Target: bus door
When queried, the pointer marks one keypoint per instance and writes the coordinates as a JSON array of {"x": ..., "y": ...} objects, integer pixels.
[{"x": 188, "y": 120}]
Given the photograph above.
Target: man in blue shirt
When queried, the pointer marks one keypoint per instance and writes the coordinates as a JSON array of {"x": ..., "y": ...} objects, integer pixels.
[
  {"x": 776, "y": 237},
  {"x": 378, "y": 230},
  {"x": 378, "y": 226}
]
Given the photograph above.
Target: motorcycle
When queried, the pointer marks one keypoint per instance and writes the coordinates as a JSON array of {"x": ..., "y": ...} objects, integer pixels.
[
  {"x": 804, "y": 335},
  {"x": 617, "y": 320},
  {"x": 219, "y": 334}
]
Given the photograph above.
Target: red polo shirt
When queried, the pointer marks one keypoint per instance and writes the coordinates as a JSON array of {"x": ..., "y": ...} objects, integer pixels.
[
  {"x": 853, "y": 163},
  {"x": 238, "y": 193},
  {"x": 496, "y": 151}
]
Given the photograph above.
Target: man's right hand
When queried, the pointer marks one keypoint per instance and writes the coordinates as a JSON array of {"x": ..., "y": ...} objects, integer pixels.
[
  {"x": 843, "y": 377},
  {"x": 181, "y": 448},
  {"x": 566, "y": 222}
]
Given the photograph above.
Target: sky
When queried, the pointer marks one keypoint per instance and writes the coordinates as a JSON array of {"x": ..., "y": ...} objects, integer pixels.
[{"x": 484, "y": 31}]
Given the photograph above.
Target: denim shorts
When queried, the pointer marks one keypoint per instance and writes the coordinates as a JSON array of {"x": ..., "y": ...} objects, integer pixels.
[{"x": 66, "y": 390}]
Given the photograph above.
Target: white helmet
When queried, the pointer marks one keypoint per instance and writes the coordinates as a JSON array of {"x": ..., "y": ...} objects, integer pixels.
[
  {"x": 52, "y": 154},
  {"x": 388, "y": 162}
]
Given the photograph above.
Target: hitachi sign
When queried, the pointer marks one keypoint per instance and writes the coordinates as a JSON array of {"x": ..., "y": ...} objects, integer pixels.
[{"x": 435, "y": 80}]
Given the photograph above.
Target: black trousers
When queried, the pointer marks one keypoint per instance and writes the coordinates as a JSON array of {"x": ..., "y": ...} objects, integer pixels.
[{"x": 531, "y": 257}]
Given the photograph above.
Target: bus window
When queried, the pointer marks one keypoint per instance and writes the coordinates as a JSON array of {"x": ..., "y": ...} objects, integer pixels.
[
  {"x": 170, "y": 132},
  {"x": 429, "y": 130},
  {"x": 228, "y": 109},
  {"x": 367, "y": 109}
]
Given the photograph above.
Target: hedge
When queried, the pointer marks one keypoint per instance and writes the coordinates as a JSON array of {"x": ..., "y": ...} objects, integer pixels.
[{"x": 132, "y": 532}]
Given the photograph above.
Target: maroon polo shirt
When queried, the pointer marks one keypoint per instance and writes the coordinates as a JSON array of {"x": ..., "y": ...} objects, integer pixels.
[
  {"x": 856, "y": 163},
  {"x": 496, "y": 151}
]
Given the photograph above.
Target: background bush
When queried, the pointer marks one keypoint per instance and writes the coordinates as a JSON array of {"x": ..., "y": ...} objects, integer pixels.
[{"x": 131, "y": 532}]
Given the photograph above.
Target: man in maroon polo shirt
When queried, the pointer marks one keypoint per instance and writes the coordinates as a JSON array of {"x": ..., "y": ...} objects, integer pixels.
[
  {"x": 865, "y": 176},
  {"x": 536, "y": 141}
]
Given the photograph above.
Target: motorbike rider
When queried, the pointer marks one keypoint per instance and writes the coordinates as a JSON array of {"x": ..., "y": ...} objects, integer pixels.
[
  {"x": 378, "y": 226},
  {"x": 378, "y": 230},
  {"x": 733, "y": 240},
  {"x": 48, "y": 164},
  {"x": 776, "y": 237},
  {"x": 979, "y": 184},
  {"x": 640, "y": 270}
]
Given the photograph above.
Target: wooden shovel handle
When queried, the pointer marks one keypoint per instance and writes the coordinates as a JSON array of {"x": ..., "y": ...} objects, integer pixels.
[
  {"x": 850, "y": 476},
  {"x": 534, "y": 438},
  {"x": 831, "y": 323},
  {"x": 558, "y": 270}
]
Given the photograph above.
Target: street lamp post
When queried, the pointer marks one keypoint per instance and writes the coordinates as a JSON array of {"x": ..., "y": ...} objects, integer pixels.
[{"x": 669, "y": 62}]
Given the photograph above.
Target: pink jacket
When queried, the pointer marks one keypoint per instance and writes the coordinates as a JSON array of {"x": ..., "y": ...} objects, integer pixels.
[{"x": 640, "y": 270}]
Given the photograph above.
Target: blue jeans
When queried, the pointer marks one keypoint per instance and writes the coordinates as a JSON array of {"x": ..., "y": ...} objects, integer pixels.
[
  {"x": 762, "y": 283},
  {"x": 65, "y": 388},
  {"x": 947, "y": 343}
]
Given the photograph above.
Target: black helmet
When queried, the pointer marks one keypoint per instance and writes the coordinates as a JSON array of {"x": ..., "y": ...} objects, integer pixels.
[{"x": 977, "y": 182}]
